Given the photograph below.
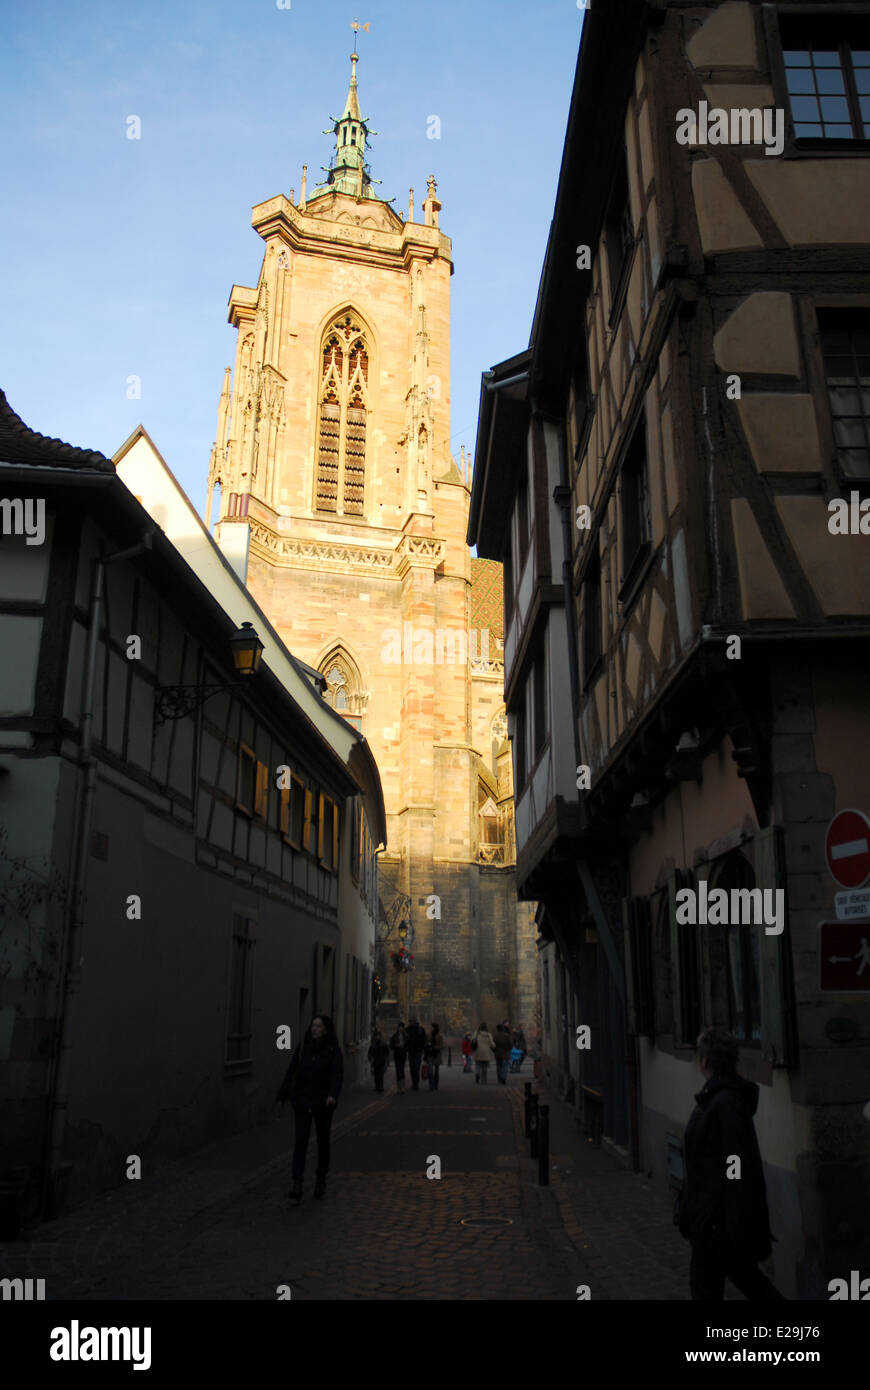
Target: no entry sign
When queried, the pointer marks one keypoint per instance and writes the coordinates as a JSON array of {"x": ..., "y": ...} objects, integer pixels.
[{"x": 847, "y": 848}]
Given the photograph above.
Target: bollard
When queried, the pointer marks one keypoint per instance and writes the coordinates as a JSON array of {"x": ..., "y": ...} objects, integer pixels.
[
  {"x": 450, "y": 1056},
  {"x": 533, "y": 1127},
  {"x": 544, "y": 1145},
  {"x": 527, "y": 1087}
]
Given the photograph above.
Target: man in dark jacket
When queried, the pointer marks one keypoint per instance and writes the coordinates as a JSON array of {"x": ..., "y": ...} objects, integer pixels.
[
  {"x": 416, "y": 1043},
  {"x": 503, "y": 1044},
  {"x": 313, "y": 1084},
  {"x": 723, "y": 1208}
]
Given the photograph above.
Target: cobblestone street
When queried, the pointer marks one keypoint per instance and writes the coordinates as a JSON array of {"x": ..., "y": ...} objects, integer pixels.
[{"x": 216, "y": 1225}]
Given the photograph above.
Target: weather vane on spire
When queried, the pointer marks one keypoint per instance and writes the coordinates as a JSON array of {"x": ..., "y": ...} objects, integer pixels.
[{"x": 356, "y": 26}]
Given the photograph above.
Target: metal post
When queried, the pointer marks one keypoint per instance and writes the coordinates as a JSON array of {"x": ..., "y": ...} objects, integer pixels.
[
  {"x": 450, "y": 1056},
  {"x": 527, "y": 1103},
  {"x": 534, "y": 1127},
  {"x": 544, "y": 1146}
]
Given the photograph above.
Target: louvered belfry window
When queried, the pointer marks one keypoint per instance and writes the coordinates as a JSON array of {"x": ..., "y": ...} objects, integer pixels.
[{"x": 341, "y": 442}]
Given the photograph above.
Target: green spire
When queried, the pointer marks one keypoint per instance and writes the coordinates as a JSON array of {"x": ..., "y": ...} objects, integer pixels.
[{"x": 349, "y": 172}]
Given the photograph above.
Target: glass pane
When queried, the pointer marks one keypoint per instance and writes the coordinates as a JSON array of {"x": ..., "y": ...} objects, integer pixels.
[
  {"x": 861, "y": 57},
  {"x": 834, "y": 109},
  {"x": 848, "y": 433},
  {"x": 735, "y": 964},
  {"x": 845, "y": 401},
  {"x": 805, "y": 108},
  {"x": 830, "y": 80},
  {"x": 855, "y": 463},
  {"x": 826, "y": 58},
  {"x": 864, "y": 103},
  {"x": 796, "y": 58},
  {"x": 800, "y": 80},
  {"x": 808, "y": 132},
  {"x": 838, "y": 132},
  {"x": 862, "y": 80},
  {"x": 754, "y": 987}
]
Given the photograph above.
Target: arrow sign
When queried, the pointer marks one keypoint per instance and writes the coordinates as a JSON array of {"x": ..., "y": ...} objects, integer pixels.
[
  {"x": 847, "y": 848},
  {"x": 844, "y": 957}
]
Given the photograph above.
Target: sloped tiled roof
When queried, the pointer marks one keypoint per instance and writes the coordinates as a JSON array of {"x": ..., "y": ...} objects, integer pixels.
[
  {"x": 20, "y": 444},
  {"x": 487, "y": 597}
]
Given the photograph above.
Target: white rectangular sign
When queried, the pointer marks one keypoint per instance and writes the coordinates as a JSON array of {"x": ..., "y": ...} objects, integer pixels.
[{"x": 853, "y": 904}]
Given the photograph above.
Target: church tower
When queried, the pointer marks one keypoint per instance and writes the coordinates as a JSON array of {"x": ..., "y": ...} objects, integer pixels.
[{"x": 341, "y": 505}]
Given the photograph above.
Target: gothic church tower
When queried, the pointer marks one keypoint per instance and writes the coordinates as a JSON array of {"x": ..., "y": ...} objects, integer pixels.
[{"x": 342, "y": 507}]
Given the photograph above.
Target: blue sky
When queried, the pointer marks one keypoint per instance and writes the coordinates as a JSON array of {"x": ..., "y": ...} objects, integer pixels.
[{"x": 119, "y": 255}]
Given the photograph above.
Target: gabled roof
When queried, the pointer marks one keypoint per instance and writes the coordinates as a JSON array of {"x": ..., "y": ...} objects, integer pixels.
[{"x": 20, "y": 444}]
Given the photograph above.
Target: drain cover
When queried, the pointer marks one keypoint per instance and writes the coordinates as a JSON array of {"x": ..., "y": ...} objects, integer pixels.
[{"x": 486, "y": 1221}]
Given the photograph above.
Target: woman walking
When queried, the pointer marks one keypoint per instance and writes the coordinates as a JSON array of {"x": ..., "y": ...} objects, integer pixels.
[
  {"x": 434, "y": 1054},
  {"x": 483, "y": 1047},
  {"x": 379, "y": 1055},
  {"x": 313, "y": 1084},
  {"x": 466, "y": 1052},
  {"x": 399, "y": 1044}
]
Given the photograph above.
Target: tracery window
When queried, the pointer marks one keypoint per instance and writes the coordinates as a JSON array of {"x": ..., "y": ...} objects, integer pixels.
[
  {"x": 344, "y": 687},
  {"x": 341, "y": 432}
]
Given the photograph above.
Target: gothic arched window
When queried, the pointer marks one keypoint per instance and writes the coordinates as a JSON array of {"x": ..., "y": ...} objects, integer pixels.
[
  {"x": 341, "y": 426},
  {"x": 344, "y": 687}
]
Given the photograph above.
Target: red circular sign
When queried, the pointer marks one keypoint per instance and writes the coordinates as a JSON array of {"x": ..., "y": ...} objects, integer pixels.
[{"x": 847, "y": 848}]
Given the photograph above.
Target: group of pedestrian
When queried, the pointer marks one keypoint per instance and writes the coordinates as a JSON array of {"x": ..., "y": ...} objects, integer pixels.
[
  {"x": 409, "y": 1046},
  {"x": 507, "y": 1049},
  {"x": 727, "y": 1222}
]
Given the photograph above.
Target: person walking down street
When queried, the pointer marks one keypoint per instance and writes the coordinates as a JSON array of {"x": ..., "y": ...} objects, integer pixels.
[
  {"x": 313, "y": 1084},
  {"x": 519, "y": 1041},
  {"x": 722, "y": 1209},
  {"x": 399, "y": 1045},
  {"x": 466, "y": 1052},
  {"x": 502, "y": 1052},
  {"x": 379, "y": 1055},
  {"x": 434, "y": 1053},
  {"x": 483, "y": 1047},
  {"x": 416, "y": 1044}
]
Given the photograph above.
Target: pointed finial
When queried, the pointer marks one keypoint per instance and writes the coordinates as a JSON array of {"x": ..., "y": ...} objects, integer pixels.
[
  {"x": 432, "y": 203},
  {"x": 410, "y": 217},
  {"x": 304, "y": 187}
]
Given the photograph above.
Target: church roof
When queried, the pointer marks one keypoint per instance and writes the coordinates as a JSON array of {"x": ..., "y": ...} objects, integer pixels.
[
  {"x": 20, "y": 444},
  {"x": 487, "y": 597}
]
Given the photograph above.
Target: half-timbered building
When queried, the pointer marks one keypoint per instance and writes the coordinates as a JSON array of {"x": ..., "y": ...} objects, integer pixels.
[
  {"x": 188, "y": 861},
  {"x": 700, "y": 362}
]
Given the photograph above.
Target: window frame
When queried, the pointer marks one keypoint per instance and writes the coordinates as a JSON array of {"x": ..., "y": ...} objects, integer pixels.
[
  {"x": 592, "y": 589},
  {"x": 828, "y": 319},
  {"x": 246, "y": 755},
  {"x": 634, "y": 471},
  {"x": 289, "y": 800},
  {"x": 808, "y": 147},
  {"x": 615, "y": 232}
]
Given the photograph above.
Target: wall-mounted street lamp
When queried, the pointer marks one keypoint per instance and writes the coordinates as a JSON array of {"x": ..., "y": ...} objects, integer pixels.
[{"x": 177, "y": 701}]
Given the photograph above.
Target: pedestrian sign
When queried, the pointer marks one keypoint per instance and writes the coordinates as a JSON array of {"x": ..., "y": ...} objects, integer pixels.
[{"x": 844, "y": 956}]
